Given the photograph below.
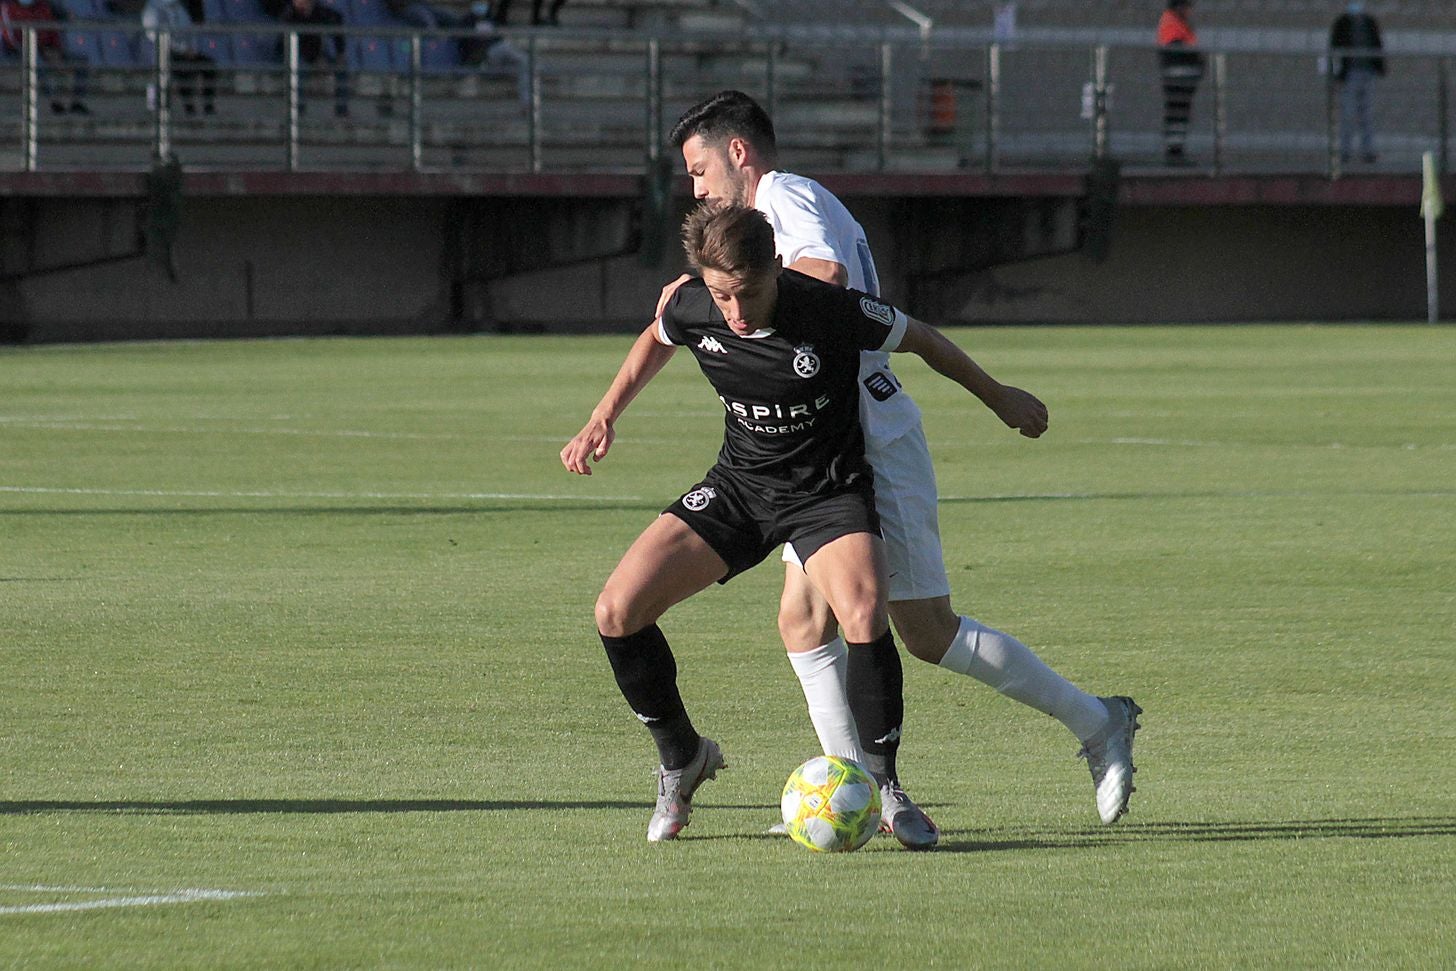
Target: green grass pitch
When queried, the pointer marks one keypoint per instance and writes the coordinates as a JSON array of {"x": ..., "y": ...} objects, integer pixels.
[{"x": 297, "y": 667}]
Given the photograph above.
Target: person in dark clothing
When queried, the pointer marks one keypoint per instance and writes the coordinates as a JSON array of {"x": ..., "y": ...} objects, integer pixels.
[
  {"x": 488, "y": 48},
  {"x": 552, "y": 18},
  {"x": 1355, "y": 31},
  {"x": 313, "y": 48},
  {"x": 1181, "y": 68},
  {"x": 50, "y": 47},
  {"x": 189, "y": 65},
  {"x": 782, "y": 351}
]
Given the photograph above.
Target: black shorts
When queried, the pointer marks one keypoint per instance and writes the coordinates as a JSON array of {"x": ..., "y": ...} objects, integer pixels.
[{"x": 743, "y": 528}]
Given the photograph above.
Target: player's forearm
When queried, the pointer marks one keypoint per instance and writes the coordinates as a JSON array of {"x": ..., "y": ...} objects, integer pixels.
[
  {"x": 644, "y": 360},
  {"x": 943, "y": 356}
]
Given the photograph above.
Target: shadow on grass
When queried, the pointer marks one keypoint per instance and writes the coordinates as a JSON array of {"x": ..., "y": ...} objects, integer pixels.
[
  {"x": 587, "y": 505},
  {"x": 463, "y": 509},
  {"x": 315, "y": 806},
  {"x": 1207, "y": 832},
  {"x": 954, "y": 841}
]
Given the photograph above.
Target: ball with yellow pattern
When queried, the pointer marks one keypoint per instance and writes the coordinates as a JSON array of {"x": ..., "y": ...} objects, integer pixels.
[{"x": 831, "y": 805}]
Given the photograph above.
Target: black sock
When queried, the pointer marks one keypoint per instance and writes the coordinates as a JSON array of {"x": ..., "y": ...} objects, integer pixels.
[
  {"x": 877, "y": 700},
  {"x": 647, "y": 676}
]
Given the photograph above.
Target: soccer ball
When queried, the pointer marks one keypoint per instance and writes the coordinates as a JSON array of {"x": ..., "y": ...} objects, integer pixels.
[{"x": 831, "y": 805}]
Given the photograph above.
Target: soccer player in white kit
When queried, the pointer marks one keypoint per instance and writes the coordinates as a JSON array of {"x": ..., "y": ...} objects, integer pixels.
[{"x": 729, "y": 148}]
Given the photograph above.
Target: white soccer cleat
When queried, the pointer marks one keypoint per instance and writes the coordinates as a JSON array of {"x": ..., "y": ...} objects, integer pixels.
[
  {"x": 1109, "y": 757},
  {"x": 907, "y": 822},
  {"x": 675, "y": 791}
]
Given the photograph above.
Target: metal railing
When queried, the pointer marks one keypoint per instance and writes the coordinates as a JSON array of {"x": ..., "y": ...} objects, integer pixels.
[{"x": 843, "y": 99}]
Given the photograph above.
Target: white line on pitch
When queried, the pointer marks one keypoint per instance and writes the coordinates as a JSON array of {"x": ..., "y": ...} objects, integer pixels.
[
  {"x": 135, "y": 425},
  {"x": 270, "y": 494},
  {"x": 130, "y": 426},
  {"x": 144, "y": 900}
]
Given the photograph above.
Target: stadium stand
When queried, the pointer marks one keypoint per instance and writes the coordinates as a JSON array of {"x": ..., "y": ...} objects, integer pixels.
[{"x": 819, "y": 62}]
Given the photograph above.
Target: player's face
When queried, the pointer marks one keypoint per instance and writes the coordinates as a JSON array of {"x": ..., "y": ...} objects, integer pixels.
[
  {"x": 715, "y": 177},
  {"x": 747, "y": 302}
]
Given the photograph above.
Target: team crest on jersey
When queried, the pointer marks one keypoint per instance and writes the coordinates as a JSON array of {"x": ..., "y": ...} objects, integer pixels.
[
  {"x": 875, "y": 310},
  {"x": 806, "y": 362},
  {"x": 709, "y": 343},
  {"x": 698, "y": 499}
]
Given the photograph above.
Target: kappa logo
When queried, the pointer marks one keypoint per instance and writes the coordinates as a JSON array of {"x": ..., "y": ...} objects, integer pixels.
[
  {"x": 806, "y": 362},
  {"x": 712, "y": 344},
  {"x": 698, "y": 499},
  {"x": 875, "y": 310}
]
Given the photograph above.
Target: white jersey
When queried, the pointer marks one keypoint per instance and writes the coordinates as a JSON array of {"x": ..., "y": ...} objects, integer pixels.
[{"x": 808, "y": 221}]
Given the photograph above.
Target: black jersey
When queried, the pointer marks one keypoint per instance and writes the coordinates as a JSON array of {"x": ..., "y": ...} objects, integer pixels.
[{"x": 790, "y": 391}]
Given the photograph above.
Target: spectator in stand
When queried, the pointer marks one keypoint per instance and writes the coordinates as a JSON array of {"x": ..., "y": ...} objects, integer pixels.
[
  {"x": 51, "y": 48},
  {"x": 312, "y": 47},
  {"x": 1003, "y": 23},
  {"x": 490, "y": 50},
  {"x": 1355, "y": 73},
  {"x": 189, "y": 65},
  {"x": 418, "y": 13},
  {"x": 1182, "y": 68},
  {"x": 552, "y": 19}
]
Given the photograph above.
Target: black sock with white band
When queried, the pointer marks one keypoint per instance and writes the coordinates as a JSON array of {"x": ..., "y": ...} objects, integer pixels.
[
  {"x": 877, "y": 699},
  {"x": 647, "y": 676}
]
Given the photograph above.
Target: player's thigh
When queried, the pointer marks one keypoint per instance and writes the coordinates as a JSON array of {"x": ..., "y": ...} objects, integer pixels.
[
  {"x": 805, "y": 620},
  {"x": 665, "y": 565},
  {"x": 850, "y": 573}
]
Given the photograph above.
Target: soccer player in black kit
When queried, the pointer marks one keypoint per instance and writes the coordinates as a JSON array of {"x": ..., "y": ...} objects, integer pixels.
[{"x": 782, "y": 351}]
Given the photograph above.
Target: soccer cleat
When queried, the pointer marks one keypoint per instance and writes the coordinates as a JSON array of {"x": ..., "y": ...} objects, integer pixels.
[
  {"x": 675, "y": 791},
  {"x": 1109, "y": 756},
  {"x": 907, "y": 822}
]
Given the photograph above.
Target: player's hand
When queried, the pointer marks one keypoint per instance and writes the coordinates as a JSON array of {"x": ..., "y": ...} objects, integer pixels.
[
  {"x": 667, "y": 293},
  {"x": 592, "y": 442},
  {"x": 1022, "y": 411}
]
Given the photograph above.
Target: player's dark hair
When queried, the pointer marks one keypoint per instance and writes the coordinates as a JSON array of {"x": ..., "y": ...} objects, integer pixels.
[
  {"x": 727, "y": 114},
  {"x": 736, "y": 240}
]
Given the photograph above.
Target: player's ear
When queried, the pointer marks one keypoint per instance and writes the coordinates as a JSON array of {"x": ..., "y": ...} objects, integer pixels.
[{"x": 738, "y": 152}]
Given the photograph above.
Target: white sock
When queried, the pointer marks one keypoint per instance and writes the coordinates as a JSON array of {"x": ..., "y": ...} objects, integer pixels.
[
  {"x": 822, "y": 673},
  {"x": 1010, "y": 667}
]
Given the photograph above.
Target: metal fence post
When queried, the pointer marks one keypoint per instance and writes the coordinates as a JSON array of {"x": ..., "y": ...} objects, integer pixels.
[
  {"x": 770, "y": 70},
  {"x": 993, "y": 106},
  {"x": 162, "y": 79},
  {"x": 417, "y": 107},
  {"x": 886, "y": 65},
  {"x": 1332, "y": 124},
  {"x": 1099, "y": 101},
  {"x": 1443, "y": 123},
  {"x": 29, "y": 95},
  {"x": 293, "y": 101},
  {"x": 533, "y": 118},
  {"x": 654, "y": 99},
  {"x": 1220, "y": 109}
]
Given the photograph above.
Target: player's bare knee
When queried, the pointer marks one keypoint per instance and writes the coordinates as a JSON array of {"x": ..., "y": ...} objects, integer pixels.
[
  {"x": 804, "y": 630},
  {"x": 862, "y": 621},
  {"x": 618, "y": 616}
]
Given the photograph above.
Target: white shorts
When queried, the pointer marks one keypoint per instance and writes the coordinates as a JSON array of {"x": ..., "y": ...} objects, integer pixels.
[{"x": 905, "y": 498}]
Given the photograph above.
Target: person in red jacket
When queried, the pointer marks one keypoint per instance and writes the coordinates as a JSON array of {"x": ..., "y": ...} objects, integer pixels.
[
  {"x": 14, "y": 15},
  {"x": 1181, "y": 68}
]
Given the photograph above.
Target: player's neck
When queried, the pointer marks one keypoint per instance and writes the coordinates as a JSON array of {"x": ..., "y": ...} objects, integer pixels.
[{"x": 753, "y": 175}]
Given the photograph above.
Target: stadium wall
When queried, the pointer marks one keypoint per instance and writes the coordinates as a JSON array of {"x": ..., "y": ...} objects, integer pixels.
[{"x": 317, "y": 264}]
